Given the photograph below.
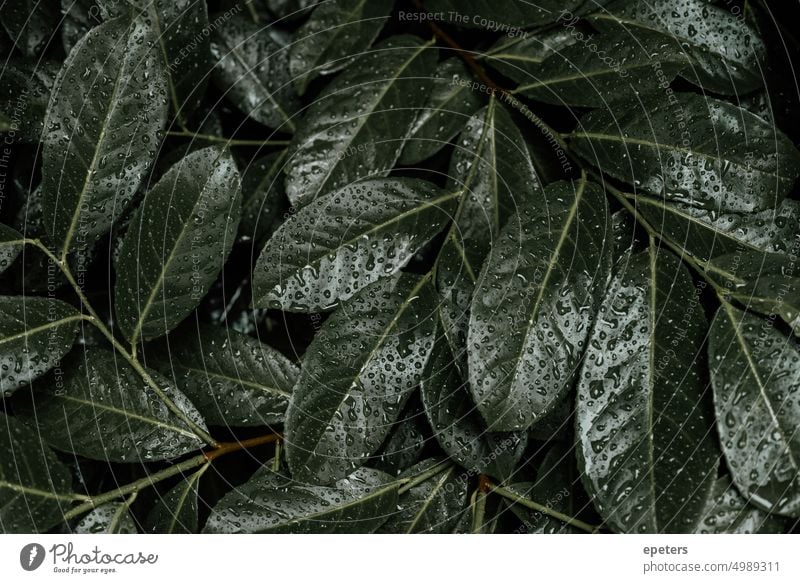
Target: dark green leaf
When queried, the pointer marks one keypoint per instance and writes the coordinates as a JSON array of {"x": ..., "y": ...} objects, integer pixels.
[
  {"x": 768, "y": 283},
  {"x": 707, "y": 233},
  {"x": 10, "y": 246},
  {"x": 107, "y": 105},
  {"x": 645, "y": 448},
  {"x": 26, "y": 86},
  {"x": 518, "y": 57},
  {"x": 403, "y": 448},
  {"x": 34, "y": 485},
  {"x": 269, "y": 503},
  {"x": 450, "y": 105},
  {"x": 458, "y": 426},
  {"x": 359, "y": 125},
  {"x": 290, "y": 9},
  {"x": 263, "y": 197},
  {"x": 102, "y": 409},
  {"x": 536, "y": 299},
  {"x": 177, "y": 243},
  {"x": 623, "y": 66},
  {"x": 112, "y": 518},
  {"x": 346, "y": 240},
  {"x": 253, "y": 70},
  {"x": 435, "y": 506},
  {"x": 79, "y": 17},
  {"x": 34, "y": 334},
  {"x": 357, "y": 375},
  {"x": 726, "y": 512},
  {"x": 337, "y": 32},
  {"x": 506, "y": 16},
  {"x": 693, "y": 150},
  {"x": 754, "y": 374},
  {"x": 30, "y": 23},
  {"x": 176, "y": 511},
  {"x": 727, "y": 55},
  {"x": 231, "y": 378}
]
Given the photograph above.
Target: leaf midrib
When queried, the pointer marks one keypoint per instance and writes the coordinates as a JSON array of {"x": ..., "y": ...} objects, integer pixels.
[{"x": 31, "y": 331}]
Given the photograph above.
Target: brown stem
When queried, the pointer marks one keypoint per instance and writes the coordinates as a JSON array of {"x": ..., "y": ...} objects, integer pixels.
[{"x": 228, "y": 447}]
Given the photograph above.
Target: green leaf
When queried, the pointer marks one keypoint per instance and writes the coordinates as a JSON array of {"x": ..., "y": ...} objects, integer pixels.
[
  {"x": 79, "y": 17},
  {"x": 34, "y": 485},
  {"x": 708, "y": 233},
  {"x": 357, "y": 374},
  {"x": 494, "y": 169},
  {"x": 10, "y": 246},
  {"x": 107, "y": 106},
  {"x": 358, "y": 126},
  {"x": 727, "y": 55},
  {"x": 269, "y": 503},
  {"x": 691, "y": 149},
  {"x": 31, "y": 24},
  {"x": 458, "y": 426},
  {"x": 435, "y": 506},
  {"x": 177, "y": 243},
  {"x": 726, "y": 512},
  {"x": 519, "y": 57},
  {"x": 253, "y": 70},
  {"x": 768, "y": 283},
  {"x": 34, "y": 334},
  {"x": 644, "y": 441},
  {"x": 101, "y": 408},
  {"x": 407, "y": 439},
  {"x": 290, "y": 9},
  {"x": 537, "y": 295},
  {"x": 337, "y": 32},
  {"x": 340, "y": 243},
  {"x": 450, "y": 106},
  {"x": 112, "y": 518},
  {"x": 176, "y": 511},
  {"x": 263, "y": 197},
  {"x": 623, "y": 66},
  {"x": 754, "y": 372},
  {"x": 26, "y": 86},
  {"x": 232, "y": 379},
  {"x": 506, "y": 16}
]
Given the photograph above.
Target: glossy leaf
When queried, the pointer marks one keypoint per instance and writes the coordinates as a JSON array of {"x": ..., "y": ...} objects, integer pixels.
[
  {"x": 340, "y": 243},
  {"x": 26, "y": 86},
  {"x": 269, "y": 503},
  {"x": 34, "y": 334},
  {"x": 726, "y": 512},
  {"x": 337, "y": 32},
  {"x": 100, "y": 133},
  {"x": 263, "y": 197},
  {"x": 29, "y": 23},
  {"x": 500, "y": 15},
  {"x": 435, "y": 506},
  {"x": 231, "y": 378},
  {"x": 176, "y": 511},
  {"x": 644, "y": 443},
  {"x": 177, "y": 243},
  {"x": 112, "y": 518},
  {"x": 696, "y": 150},
  {"x": 450, "y": 106},
  {"x": 253, "y": 70},
  {"x": 726, "y": 54},
  {"x": 104, "y": 410},
  {"x": 536, "y": 299},
  {"x": 10, "y": 246},
  {"x": 407, "y": 439},
  {"x": 79, "y": 17},
  {"x": 519, "y": 57},
  {"x": 335, "y": 143},
  {"x": 357, "y": 374},
  {"x": 34, "y": 484},
  {"x": 458, "y": 426},
  {"x": 754, "y": 371}
]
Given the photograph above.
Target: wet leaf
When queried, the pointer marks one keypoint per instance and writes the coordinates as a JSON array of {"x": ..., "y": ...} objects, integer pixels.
[
  {"x": 30, "y": 24},
  {"x": 10, "y": 246},
  {"x": 34, "y": 485},
  {"x": 100, "y": 133},
  {"x": 269, "y": 503},
  {"x": 177, "y": 243},
  {"x": 694, "y": 150},
  {"x": 340, "y": 243},
  {"x": 335, "y": 143},
  {"x": 34, "y": 334},
  {"x": 644, "y": 441},
  {"x": 101, "y": 408},
  {"x": 337, "y": 32},
  {"x": 232, "y": 379},
  {"x": 726, "y": 512},
  {"x": 536, "y": 299},
  {"x": 176, "y": 511},
  {"x": 26, "y": 86},
  {"x": 112, "y": 518},
  {"x": 357, "y": 374},
  {"x": 506, "y": 16},
  {"x": 263, "y": 197},
  {"x": 754, "y": 371}
]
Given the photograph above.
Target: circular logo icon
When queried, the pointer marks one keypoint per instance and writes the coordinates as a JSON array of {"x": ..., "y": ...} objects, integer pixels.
[{"x": 31, "y": 556}]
